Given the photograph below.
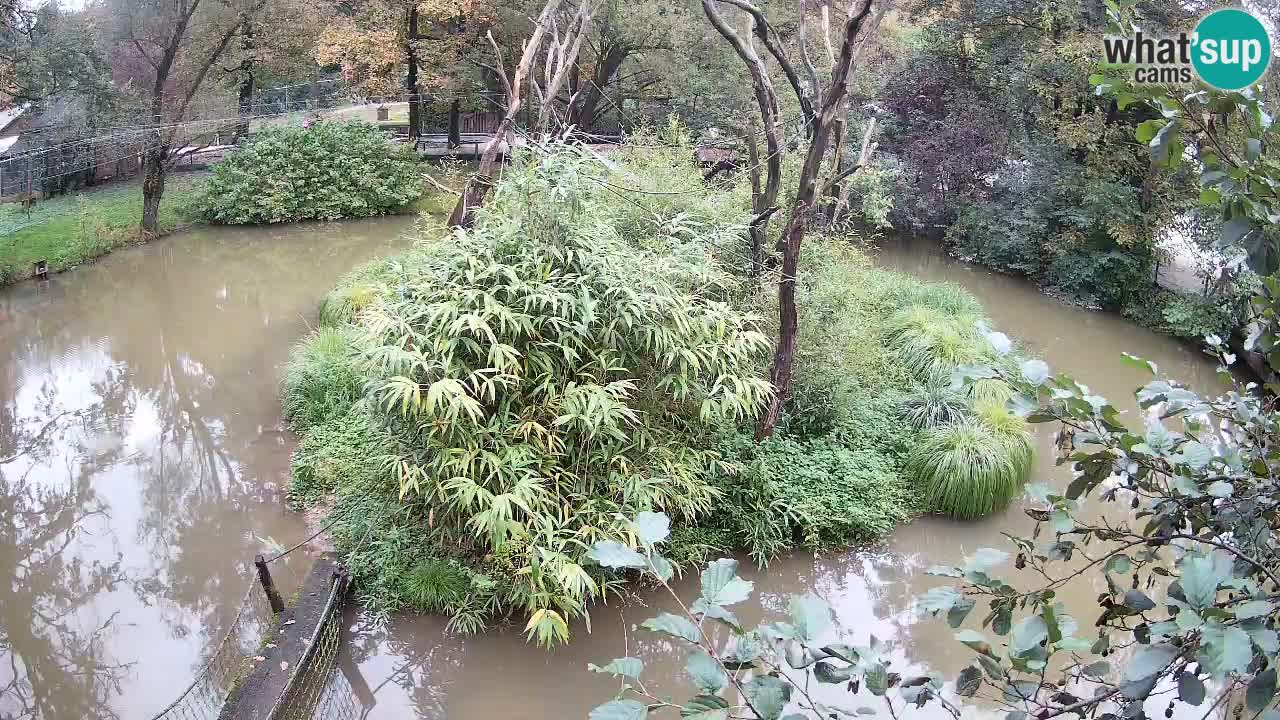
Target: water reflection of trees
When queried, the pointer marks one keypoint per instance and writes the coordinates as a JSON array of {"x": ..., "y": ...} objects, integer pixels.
[
  {"x": 54, "y": 666},
  {"x": 165, "y": 397},
  {"x": 425, "y": 661}
]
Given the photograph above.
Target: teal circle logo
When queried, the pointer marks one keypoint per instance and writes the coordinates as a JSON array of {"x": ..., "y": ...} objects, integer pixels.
[{"x": 1231, "y": 49}]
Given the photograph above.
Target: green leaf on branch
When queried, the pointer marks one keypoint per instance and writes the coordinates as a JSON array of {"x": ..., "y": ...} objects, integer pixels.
[
  {"x": 673, "y": 625},
  {"x": 706, "y": 672},
  {"x": 1138, "y": 600},
  {"x": 830, "y": 673},
  {"x": 1145, "y": 668},
  {"x": 969, "y": 681},
  {"x": 652, "y": 528},
  {"x": 1201, "y": 576},
  {"x": 620, "y": 710},
  {"x": 768, "y": 695},
  {"x": 620, "y": 667},
  {"x": 613, "y": 554},
  {"x": 1190, "y": 689},
  {"x": 810, "y": 616},
  {"x": 705, "y": 707},
  {"x": 721, "y": 584},
  {"x": 1252, "y": 609},
  {"x": 1028, "y": 634},
  {"x": 1261, "y": 690}
]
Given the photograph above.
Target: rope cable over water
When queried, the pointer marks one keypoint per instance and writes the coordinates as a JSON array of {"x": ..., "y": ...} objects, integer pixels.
[{"x": 332, "y": 521}]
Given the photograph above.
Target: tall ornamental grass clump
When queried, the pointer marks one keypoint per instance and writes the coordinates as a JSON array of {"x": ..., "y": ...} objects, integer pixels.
[
  {"x": 327, "y": 171},
  {"x": 974, "y": 455},
  {"x": 967, "y": 469},
  {"x": 537, "y": 378}
]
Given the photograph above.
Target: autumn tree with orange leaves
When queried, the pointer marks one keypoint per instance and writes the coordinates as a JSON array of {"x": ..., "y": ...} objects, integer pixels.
[{"x": 407, "y": 47}]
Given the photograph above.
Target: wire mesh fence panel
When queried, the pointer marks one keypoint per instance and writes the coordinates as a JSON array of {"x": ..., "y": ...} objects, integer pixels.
[
  {"x": 319, "y": 689},
  {"x": 204, "y": 697}
]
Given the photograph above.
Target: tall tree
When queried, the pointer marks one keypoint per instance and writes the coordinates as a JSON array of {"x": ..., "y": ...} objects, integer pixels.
[
  {"x": 613, "y": 56},
  {"x": 275, "y": 47},
  {"x": 562, "y": 49},
  {"x": 412, "y": 46},
  {"x": 177, "y": 43},
  {"x": 823, "y": 120}
]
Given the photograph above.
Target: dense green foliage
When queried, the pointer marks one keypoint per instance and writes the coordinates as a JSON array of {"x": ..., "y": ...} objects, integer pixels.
[
  {"x": 327, "y": 171},
  {"x": 505, "y": 396}
]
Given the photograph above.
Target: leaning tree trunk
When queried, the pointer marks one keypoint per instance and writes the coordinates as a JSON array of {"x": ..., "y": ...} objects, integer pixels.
[
  {"x": 762, "y": 200},
  {"x": 477, "y": 188},
  {"x": 153, "y": 190}
]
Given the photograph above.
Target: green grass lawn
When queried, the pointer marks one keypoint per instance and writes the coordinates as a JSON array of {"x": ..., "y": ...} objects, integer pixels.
[{"x": 74, "y": 228}]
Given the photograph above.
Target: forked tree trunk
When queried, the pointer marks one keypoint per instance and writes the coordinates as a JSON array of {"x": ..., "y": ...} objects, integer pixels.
[
  {"x": 802, "y": 209},
  {"x": 477, "y": 188}
]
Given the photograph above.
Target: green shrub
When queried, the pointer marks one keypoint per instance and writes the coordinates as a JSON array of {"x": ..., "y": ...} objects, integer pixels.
[
  {"x": 1106, "y": 278},
  {"x": 967, "y": 469},
  {"x": 931, "y": 343},
  {"x": 321, "y": 380},
  {"x": 814, "y": 492},
  {"x": 324, "y": 172},
  {"x": 538, "y": 362},
  {"x": 345, "y": 448},
  {"x": 1195, "y": 316},
  {"x": 945, "y": 298},
  {"x": 1006, "y": 234},
  {"x": 1190, "y": 316}
]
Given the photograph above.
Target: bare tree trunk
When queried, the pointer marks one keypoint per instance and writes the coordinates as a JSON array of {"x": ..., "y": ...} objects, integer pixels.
[
  {"x": 562, "y": 57},
  {"x": 802, "y": 209},
  {"x": 757, "y": 231},
  {"x": 864, "y": 157},
  {"x": 477, "y": 188},
  {"x": 762, "y": 200}
]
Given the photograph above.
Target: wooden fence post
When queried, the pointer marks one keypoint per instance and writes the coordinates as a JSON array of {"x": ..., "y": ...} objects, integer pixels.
[{"x": 269, "y": 585}]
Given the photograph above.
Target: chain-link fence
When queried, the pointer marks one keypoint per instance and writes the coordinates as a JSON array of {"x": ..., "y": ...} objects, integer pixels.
[
  {"x": 204, "y": 697},
  {"x": 318, "y": 689}
]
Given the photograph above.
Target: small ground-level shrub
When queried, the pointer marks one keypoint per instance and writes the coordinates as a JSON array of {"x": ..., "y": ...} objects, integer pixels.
[
  {"x": 934, "y": 403},
  {"x": 813, "y": 492},
  {"x": 327, "y": 171}
]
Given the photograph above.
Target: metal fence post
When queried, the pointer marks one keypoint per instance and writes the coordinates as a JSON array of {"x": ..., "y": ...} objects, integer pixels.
[{"x": 269, "y": 585}]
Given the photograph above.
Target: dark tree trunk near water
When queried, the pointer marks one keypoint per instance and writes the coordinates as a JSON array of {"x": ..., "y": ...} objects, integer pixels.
[
  {"x": 411, "y": 76},
  {"x": 155, "y": 165},
  {"x": 821, "y": 126},
  {"x": 455, "y": 123}
]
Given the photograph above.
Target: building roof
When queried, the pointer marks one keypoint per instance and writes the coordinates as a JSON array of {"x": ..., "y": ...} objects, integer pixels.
[
  {"x": 7, "y": 142},
  {"x": 10, "y": 115}
]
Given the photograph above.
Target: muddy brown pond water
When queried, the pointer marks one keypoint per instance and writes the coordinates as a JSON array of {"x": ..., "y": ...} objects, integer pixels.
[{"x": 143, "y": 464}]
